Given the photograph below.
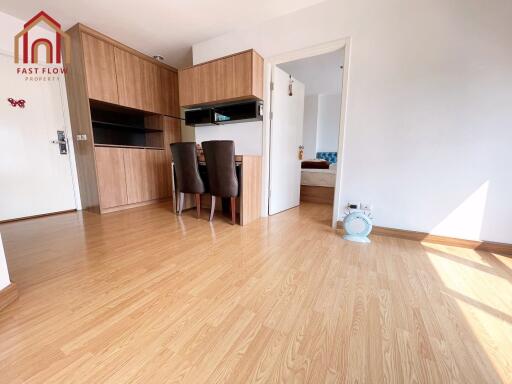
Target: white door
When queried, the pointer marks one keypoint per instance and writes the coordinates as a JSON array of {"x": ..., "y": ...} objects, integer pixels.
[
  {"x": 285, "y": 140},
  {"x": 35, "y": 178}
]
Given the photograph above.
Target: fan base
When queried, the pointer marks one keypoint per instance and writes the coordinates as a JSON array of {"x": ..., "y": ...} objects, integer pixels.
[{"x": 357, "y": 239}]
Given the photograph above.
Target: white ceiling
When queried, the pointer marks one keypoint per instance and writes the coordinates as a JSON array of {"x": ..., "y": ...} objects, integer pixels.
[
  {"x": 164, "y": 27},
  {"x": 320, "y": 74}
]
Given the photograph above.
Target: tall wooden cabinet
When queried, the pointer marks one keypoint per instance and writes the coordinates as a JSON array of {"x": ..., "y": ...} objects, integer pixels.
[
  {"x": 124, "y": 112},
  {"x": 230, "y": 78}
]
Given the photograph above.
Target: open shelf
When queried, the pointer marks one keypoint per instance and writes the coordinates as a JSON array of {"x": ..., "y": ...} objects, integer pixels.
[
  {"x": 123, "y": 126},
  {"x": 120, "y": 127}
]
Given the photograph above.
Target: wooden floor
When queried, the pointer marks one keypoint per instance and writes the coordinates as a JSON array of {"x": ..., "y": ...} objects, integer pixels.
[{"x": 143, "y": 296}]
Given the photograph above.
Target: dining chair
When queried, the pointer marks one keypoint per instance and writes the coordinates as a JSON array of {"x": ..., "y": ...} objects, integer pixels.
[
  {"x": 222, "y": 178},
  {"x": 186, "y": 170}
]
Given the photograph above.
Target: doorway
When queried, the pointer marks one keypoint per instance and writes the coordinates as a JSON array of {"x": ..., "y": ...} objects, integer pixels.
[
  {"x": 306, "y": 121},
  {"x": 35, "y": 156}
]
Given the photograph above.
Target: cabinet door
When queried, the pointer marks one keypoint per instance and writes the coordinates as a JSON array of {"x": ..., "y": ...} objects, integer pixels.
[
  {"x": 130, "y": 80},
  {"x": 186, "y": 86},
  {"x": 204, "y": 83},
  {"x": 151, "y": 86},
  {"x": 146, "y": 174},
  {"x": 100, "y": 71},
  {"x": 242, "y": 75},
  {"x": 225, "y": 78},
  {"x": 136, "y": 175},
  {"x": 230, "y": 78},
  {"x": 170, "y": 104},
  {"x": 111, "y": 176},
  {"x": 159, "y": 173}
]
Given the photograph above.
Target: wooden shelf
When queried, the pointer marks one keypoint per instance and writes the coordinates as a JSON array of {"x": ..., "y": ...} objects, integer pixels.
[
  {"x": 124, "y": 126},
  {"x": 126, "y": 146}
]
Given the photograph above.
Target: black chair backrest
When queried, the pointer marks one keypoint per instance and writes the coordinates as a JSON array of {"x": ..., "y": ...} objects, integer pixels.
[
  {"x": 220, "y": 162},
  {"x": 185, "y": 167}
]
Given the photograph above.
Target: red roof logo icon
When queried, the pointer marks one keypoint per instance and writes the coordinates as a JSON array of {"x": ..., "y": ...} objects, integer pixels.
[{"x": 53, "y": 49}]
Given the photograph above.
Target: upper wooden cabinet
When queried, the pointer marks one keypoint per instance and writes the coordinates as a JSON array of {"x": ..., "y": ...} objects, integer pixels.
[
  {"x": 120, "y": 75},
  {"x": 139, "y": 85},
  {"x": 170, "y": 98},
  {"x": 100, "y": 69},
  {"x": 230, "y": 78},
  {"x": 129, "y": 79}
]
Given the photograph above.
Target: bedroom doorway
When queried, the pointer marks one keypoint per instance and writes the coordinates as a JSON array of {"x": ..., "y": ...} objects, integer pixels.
[{"x": 304, "y": 137}]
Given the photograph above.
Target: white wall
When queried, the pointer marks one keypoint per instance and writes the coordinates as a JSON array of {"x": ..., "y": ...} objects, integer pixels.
[
  {"x": 4, "y": 273},
  {"x": 429, "y": 122},
  {"x": 9, "y": 26},
  {"x": 310, "y": 126},
  {"x": 247, "y": 136},
  {"x": 329, "y": 107}
]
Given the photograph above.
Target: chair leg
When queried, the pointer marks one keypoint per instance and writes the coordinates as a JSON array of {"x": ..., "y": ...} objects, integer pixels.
[
  {"x": 233, "y": 210},
  {"x": 212, "y": 209},
  {"x": 180, "y": 202},
  {"x": 198, "y": 205}
]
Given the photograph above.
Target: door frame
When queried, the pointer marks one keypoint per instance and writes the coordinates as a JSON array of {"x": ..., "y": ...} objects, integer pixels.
[
  {"x": 269, "y": 65},
  {"x": 68, "y": 132}
]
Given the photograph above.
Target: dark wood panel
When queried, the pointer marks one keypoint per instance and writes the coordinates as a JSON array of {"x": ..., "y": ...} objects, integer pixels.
[{"x": 317, "y": 194}]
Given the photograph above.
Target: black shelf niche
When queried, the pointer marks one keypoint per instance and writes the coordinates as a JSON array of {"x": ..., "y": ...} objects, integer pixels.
[{"x": 113, "y": 125}]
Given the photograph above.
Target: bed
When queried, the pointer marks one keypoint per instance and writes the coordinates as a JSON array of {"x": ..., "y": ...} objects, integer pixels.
[{"x": 318, "y": 178}]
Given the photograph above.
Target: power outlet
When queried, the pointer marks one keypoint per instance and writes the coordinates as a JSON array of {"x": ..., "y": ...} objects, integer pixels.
[
  {"x": 366, "y": 207},
  {"x": 352, "y": 205}
]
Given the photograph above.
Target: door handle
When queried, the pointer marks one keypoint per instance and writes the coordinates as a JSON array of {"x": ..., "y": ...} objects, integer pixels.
[{"x": 62, "y": 142}]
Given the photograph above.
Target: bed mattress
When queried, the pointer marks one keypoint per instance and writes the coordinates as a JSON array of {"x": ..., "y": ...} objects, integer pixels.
[{"x": 318, "y": 177}]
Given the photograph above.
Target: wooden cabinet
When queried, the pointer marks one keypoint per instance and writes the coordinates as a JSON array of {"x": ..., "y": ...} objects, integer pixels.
[
  {"x": 145, "y": 86},
  {"x": 130, "y": 82},
  {"x": 111, "y": 176},
  {"x": 100, "y": 69},
  {"x": 234, "y": 77},
  {"x": 131, "y": 175},
  {"x": 147, "y": 176},
  {"x": 187, "y": 82},
  {"x": 157, "y": 176},
  {"x": 120, "y": 75},
  {"x": 104, "y": 77},
  {"x": 170, "y": 104},
  {"x": 138, "y": 82},
  {"x": 135, "y": 168},
  {"x": 151, "y": 87}
]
